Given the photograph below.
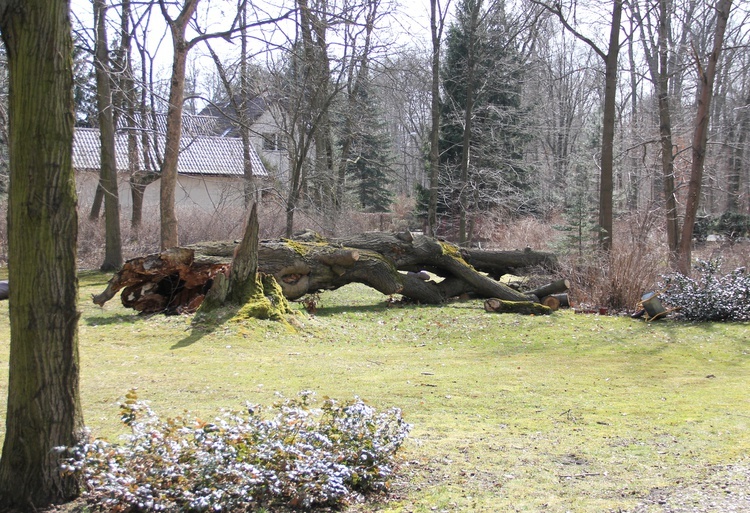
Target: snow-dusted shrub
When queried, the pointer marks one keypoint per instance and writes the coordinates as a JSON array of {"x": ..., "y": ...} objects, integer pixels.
[
  {"x": 290, "y": 453},
  {"x": 711, "y": 296}
]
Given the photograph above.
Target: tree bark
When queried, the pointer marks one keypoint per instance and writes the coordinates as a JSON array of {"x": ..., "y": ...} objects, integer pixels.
[
  {"x": 389, "y": 263},
  {"x": 518, "y": 307},
  {"x": 700, "y": 136},
  {"x": 108, "y": 179},
  {"x": 180, "y": 47},
  {"x": 43, "y": 409}
]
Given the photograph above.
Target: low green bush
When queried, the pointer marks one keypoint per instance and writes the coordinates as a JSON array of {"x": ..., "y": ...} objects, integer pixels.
[
  {"x": 712, "y": 295},
  {"x": 290, "y": 454}
]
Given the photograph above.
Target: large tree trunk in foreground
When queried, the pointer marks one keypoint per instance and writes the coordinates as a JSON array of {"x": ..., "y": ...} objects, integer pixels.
[
  {"x": 43, "y": 401},
  {"x": 389, "y": 263}
]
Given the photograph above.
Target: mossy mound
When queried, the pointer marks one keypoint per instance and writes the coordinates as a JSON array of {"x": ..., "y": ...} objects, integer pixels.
[{"x": 270, "y": 304}]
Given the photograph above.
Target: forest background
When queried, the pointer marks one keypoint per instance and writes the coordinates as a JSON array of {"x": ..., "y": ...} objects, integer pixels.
[{"x": 498, "y": 138}]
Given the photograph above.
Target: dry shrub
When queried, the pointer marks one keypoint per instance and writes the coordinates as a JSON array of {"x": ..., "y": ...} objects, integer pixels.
[
  {"x": 733, "y": 254},
  {"x": 617, "y": 280},
  {"x": 225, "y": 222},
  {"x": 519, "y": 233}
]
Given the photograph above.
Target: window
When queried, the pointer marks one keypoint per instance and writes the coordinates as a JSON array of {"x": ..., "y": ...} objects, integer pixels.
[{"x": 273, "y": 142}]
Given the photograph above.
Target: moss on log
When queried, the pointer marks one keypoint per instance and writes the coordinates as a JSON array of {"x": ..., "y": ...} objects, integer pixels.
[
  {"x": 519, "y": 307},
  {"x": 388, "y": 262}
]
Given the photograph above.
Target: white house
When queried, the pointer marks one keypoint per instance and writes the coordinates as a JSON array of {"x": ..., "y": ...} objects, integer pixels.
[
  {"x": 210, "y": 172},
  {"x": 265, "y": 133}
]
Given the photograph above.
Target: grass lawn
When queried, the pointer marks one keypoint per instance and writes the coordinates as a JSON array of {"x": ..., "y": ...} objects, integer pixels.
[{"x": 567, "y": 412}]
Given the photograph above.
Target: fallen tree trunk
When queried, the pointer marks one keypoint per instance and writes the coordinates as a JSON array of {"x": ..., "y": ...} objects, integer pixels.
[
  {"x": 498, "y": 263},
  {"x": 555, "y": 287},
  {"x": 389, "y": 263},
  {"x": 563, "y": 299},
  {"x": 519, "y": 307}
]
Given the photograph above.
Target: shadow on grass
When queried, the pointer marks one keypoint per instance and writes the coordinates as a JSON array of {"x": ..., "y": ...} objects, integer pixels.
[
  {"x": 330, "y": 311},
  {"x": 112, "y": 319},
  {"x": 204, "y": 324}
]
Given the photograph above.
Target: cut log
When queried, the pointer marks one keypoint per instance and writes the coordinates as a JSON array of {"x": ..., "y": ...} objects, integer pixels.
[
  {"x": 551, "y": 288},
  {"x": 563, "y": 298},
  {"x": 551, "y": 302},
  {"x": 519, "y": 307}
]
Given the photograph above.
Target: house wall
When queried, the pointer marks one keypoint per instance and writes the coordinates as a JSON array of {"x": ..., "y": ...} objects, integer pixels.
[
  {"x": 210, "y": 194},
  {"x": 276, "y": 161}
]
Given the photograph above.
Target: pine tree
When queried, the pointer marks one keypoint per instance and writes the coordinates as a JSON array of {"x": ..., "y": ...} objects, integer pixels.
[
  {"x": 369, "y": 167},
  {"x": 482, "y": 72}
]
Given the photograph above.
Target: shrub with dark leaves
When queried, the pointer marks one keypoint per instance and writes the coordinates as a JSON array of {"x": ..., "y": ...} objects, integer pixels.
[
  {"x": 290, "y": 454},
  {"x": 711, "y": 296}
]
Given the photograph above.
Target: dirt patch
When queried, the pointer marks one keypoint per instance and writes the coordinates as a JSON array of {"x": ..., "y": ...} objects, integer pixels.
[{"x": 726, "y": 488}]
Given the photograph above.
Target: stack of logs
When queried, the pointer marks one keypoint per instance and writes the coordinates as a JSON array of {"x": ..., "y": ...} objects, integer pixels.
[{"x": 541, "y": 301}]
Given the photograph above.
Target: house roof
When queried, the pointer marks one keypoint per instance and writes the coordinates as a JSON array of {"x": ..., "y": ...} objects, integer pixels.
[
  {"x": 199, "y": 155},
  {"x": 225, "y": 116},
  {"x": 193, "y": 125}
]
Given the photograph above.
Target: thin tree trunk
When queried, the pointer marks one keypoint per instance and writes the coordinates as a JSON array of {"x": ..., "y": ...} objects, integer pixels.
[
  {"x": 665, "y": 132},
  {"x": 633, "y": 164},
  {"x": 436, "y": 26},
  {"x": 657, "y": 58},
  {"x": 96, "y": 205},
  {"x": 606, "y": 184},
  {"x": 250, "y": 192},
  {"x": 737, "y": 159},
  {"x": 130, "y": 101},
  {"x": 137, "y": 187},
  {"x": 43, "y": 409},
  {"x": 108, "y": 161},
  {"x": 468, "y": 114},
  {"x": 700, "y": 136},
  {"x": 168, "y": 216}
]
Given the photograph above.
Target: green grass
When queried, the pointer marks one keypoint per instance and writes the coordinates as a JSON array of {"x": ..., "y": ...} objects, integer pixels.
[{"x": 510, "y": 413}]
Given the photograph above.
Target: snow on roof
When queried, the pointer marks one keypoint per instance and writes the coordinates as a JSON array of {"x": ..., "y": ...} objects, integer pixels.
[{"x": 199, "y": 155}]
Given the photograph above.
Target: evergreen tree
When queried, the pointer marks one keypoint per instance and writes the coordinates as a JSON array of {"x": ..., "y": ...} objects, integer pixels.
[
  {"x": 482, "y": 72},
  {"x": 369, "y": 166},
  {"x": 580, "y": 231}
]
